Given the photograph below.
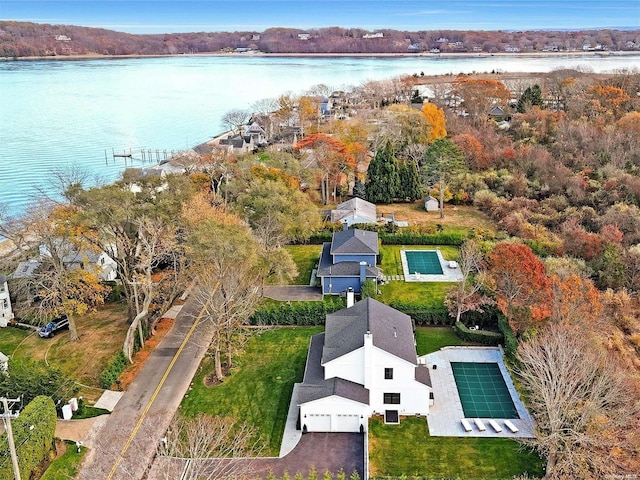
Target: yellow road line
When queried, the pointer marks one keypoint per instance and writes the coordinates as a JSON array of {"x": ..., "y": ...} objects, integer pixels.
[{"x": 160, "y": 385}]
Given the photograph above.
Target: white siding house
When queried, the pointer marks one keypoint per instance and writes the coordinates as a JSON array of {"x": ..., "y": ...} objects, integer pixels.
[
  {"x": 6, "y": 313},
  {"x": 364, "y": 363}
]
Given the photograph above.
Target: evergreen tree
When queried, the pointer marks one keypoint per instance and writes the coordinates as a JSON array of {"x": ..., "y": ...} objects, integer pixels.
[
  {"x": 383, "y": 180},
  {"x": 530, "y": 97},
  {"x": 410, "y": 184},
  {"x": 442, "y": 161},
  {"x": 359, "y": 190}
]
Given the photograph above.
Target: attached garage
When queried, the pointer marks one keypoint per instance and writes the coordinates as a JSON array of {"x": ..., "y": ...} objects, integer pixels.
[
  {"x": 345, "y": 423},
  {"x": 316, "y": 422}
]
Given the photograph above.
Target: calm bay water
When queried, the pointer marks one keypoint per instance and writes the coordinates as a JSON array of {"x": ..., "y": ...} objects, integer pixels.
[{"x": 55, "y": 114}]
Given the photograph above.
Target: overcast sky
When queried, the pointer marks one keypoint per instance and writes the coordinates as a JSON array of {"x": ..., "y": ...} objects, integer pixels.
[{"x": 167, "y": 16}]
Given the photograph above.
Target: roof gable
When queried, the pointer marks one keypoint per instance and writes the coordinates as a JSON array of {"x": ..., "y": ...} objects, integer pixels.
[
  {"x": 354, "y": 241},
  {"x": 392, "y": 331}
]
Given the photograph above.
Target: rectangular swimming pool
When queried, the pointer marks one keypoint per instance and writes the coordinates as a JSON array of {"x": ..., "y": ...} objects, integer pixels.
[
  {"x": 483, "y": 391},
  {"x": 424, "y": 262}
]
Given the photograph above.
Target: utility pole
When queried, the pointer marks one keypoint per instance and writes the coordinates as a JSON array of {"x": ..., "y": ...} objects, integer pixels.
[{"x": 12, "y": 445}]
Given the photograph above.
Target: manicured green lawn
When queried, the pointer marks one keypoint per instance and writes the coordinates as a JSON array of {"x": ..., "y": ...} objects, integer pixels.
[
  {"x": 407, "y": 449},
  {"x": 259, "y": 388},
  {"x": 67, "y": 465},
  {"x": 432, "y": 339},
  {"x": 426, "y": 293},
  {"x": 306, "y": 258},
  {"x": 11, "y": 337},
  {"x": 392, "y": 261}
]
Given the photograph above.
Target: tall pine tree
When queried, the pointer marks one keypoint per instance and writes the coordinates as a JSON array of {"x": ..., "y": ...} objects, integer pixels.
[
  {"x": 530, "y": 97},
  {"x": 442, "y": 161},
  {"x": 383, "y": 180},
  {"x": 410, "y": 184}
]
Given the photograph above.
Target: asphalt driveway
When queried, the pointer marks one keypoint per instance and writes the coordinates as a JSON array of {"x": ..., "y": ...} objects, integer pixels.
[
  {"x": 295, "y": 293},
  {"x": 322, "y": 451}
]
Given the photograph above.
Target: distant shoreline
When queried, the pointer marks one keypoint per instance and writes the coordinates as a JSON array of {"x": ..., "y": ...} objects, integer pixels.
[{"x": 576, "y": 53}]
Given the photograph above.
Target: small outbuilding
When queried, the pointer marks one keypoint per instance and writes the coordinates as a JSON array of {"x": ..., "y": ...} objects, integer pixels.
[{"x": 431, "y": 204}]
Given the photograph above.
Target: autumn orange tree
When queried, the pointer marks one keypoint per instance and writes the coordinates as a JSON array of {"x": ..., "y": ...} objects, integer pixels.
[
  {"x": 480, "y": 95},
  {"x": 436, "y": 120},
  {"x": 331, "y": 158},
  {"x": 574, "y": 300},
  {"x": 520, "y": 284}
]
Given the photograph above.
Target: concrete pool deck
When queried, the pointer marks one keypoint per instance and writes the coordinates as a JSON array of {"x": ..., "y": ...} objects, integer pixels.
[
  {"x": 446, "y": 412},
  {"x": 448, "y": 274}
]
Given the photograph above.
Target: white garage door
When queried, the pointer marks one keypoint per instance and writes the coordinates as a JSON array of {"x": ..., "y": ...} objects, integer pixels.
[
  {"x": 346, "y": 423},
  {"x": 317, "y": 423}
]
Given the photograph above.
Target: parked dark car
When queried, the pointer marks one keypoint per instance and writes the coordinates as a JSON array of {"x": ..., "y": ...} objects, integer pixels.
[{"x": 51, "y": 328}]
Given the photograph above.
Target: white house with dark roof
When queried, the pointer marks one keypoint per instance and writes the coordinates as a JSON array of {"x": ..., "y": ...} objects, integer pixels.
[
  {"x": 364, "y": 363},
  {"x": 348, "y": 260},
  {"x": 353, "y": 211},
  {"x": 6, "y": 313},
  {"x": 95, "y": 260}
]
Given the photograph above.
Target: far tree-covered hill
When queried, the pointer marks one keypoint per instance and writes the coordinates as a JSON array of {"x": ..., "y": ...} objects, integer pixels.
[{"x": 22, "y": 39}]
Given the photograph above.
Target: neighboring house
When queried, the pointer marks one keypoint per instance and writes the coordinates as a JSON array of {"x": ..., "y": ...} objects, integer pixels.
[
  {"x": 4, "y": 362},
  {"x": 6, "y": 313},
  {"x": 252, "y": 137},
  {"x": 431, "y": 204},
  {"x": 498, "y": 114},
  {"x": 255, "y": 135},
  {"x": 26, "y": 269},
  {"x": 364, "y": 363},
  {"x": 105, "y": 266},
  {"x": 348, "y": 260},
  {"x": 353, "y": 211}
]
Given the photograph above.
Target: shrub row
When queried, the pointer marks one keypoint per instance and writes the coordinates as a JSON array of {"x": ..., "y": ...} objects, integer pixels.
[
  {"x": 484, "y": 337},
  {"x": 440, "y": 238},
  {"x": 296, "y": 313},
  {"x": 111, "y": 373},
  {"x": 424, "y": 315},
  {"x": 34, "y": 444},
  {"x": 510, "y": 340},
  {"x": 406, "y": 238}
]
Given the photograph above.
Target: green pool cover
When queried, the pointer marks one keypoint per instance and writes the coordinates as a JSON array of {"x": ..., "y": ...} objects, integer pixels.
[
  {"x": 424, "y": 262},
  {"x": 482, "y": 390}
]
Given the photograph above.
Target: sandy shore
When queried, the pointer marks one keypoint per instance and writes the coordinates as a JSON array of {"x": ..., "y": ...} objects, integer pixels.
[{"x": 576, "y": 53}]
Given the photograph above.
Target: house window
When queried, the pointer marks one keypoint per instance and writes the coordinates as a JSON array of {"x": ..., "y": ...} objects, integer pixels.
[
  {"x": 392, "y": 398},
  {"x": 388, "y": 373}
]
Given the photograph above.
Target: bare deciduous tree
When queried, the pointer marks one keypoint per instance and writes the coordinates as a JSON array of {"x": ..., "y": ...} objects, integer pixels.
[
  {"x": 208, "y": 448},
  {"x": 582, "y": 402}
]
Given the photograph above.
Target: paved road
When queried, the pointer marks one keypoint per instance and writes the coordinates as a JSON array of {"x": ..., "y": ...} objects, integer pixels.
[{"x": 125, "y": 445}]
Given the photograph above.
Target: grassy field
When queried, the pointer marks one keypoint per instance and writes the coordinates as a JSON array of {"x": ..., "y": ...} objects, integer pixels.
[
  {"x": 427, "y": 293},
  {"x": 460, "y": 217},
  {"x": 67, "y": 465},
  {"x": 407, "y": 449},
  {"x": 432, "y": 339},
  {"x": 259, "y": 388},
  {"x": 101, "y": 336},
  {"x": 306, "y": 258}
]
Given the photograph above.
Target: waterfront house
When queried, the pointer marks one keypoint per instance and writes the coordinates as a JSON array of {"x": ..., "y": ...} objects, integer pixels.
[
  {"x": 348, "y": 260},
  {"x": 97, "y": 261},
  {"x": 365, "y": 363}
]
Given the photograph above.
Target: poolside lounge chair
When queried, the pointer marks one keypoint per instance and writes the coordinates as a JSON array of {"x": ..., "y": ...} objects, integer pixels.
[
  {"x": 495, "y": 426},
  {"x": 510, "y": 426},
  {"x": 480, "y": 425},
  {"x": 466, "y": 425}
]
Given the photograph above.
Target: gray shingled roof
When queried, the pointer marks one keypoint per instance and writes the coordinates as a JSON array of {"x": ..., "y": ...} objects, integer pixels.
[
  {"x": 2, "y": 278},
  {"x": 314, "y": 386},
  {"x": 354, "y": 241},
  {"x": 341, "y": 269},
  {"x": 26, "y": 269},
  {"x": 392, "y": 331},
  {"x": 356, "y": 207},
  {"x": 423, "y": 376}
]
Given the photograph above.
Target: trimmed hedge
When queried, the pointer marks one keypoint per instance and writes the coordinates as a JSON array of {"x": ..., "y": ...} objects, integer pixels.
[
  {"x": 484, "y": 337},
  {"x": 110, "y": 374},
  {"x": 296, "y": 313},
  {"x": 408, "y": 238},
  {"x": 441, "y": 238},
  {"x": 510, "y": 340},
  {"x": 424, "y": 315},
  {"x": 33, "y": 445}
]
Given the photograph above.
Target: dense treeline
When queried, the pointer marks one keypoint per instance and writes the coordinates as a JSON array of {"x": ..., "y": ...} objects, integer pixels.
[{"x": 21, "y": 39}]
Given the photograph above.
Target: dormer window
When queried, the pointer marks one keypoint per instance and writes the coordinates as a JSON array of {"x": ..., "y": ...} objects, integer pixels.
[{"x": 388, "y": 373}]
